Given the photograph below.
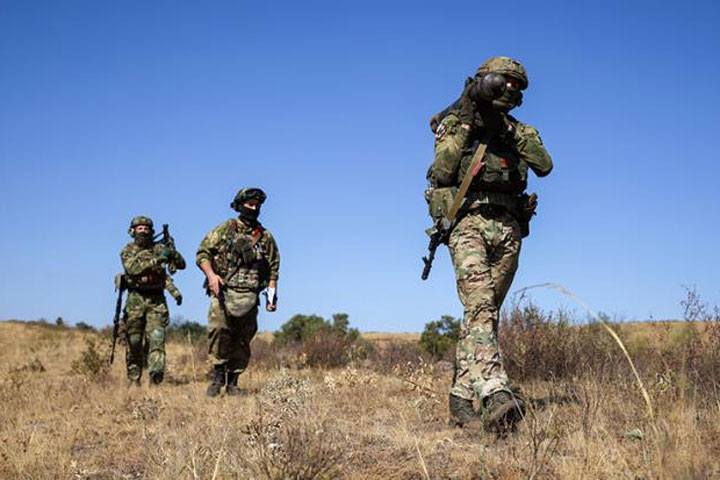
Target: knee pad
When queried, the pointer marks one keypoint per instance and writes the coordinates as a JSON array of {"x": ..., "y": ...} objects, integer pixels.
[
  {"x": 157, "y": 335},
  {"x": 134, "y": 340}
]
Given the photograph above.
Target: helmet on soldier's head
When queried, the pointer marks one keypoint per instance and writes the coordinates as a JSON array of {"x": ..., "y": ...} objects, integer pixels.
[
  {"x": 137, "y": 221},
  {"x": 247, "y": 194},
  {"x": 506, "y": 66}
]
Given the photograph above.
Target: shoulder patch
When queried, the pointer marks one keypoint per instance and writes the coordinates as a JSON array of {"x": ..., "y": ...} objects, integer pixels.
[{"x": 441, "y": 131}]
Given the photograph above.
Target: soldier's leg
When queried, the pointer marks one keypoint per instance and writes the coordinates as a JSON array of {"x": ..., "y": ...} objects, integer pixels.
[
  {"x": 220, "y": 339},
  {"x": 244, "y": 329},
  {"x": 506, "y": 253},
  {"x": 478, "y": 371},
  {"x": 135, "y": 331},
  {"x": 219, "y": 334},
  {"x": 157, "y": 319}
]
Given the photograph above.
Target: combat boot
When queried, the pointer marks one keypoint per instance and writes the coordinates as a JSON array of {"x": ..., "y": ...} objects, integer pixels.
[
  {"x": 503, "y": 411},
  {"x": 156, "y": 377},
  {"x": 462, "y": 413},
  {"x": 232, "y": 388},
  {"x": 218, "y": 381}
]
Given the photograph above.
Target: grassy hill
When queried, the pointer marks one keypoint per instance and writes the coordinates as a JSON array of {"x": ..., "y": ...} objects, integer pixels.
[{"x": 66, "y": 414}]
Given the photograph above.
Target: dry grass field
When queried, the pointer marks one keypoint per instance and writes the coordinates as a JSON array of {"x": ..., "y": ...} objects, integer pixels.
[{"x": 65, "y": 415}]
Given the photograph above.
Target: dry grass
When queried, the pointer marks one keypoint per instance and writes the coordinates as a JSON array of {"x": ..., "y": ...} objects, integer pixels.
[{"x": 356, "y": 422}]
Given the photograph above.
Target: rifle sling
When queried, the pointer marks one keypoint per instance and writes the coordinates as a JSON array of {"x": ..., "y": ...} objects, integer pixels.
[{"x": 475, "y": 167}]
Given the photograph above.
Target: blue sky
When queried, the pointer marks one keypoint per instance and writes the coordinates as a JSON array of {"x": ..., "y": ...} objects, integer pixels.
[{"x": 114, "y": 109}]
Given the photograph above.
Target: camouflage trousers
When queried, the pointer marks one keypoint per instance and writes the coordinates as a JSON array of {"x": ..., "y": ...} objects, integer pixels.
[
  {"x": 230, "y": 337},
  {"x": 146, "y": 316},
  {"x": 485, "y": 248}
]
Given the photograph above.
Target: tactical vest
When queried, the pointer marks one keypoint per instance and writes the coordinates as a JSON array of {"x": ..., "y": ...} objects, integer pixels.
[
  {"x": 503, "y": 170},
  {"x": 152, "y": 279},
  {"x": 240, "y": 260}
]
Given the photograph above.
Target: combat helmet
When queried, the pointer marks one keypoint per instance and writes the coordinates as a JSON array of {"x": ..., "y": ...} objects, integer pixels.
[
  {"x": 246, "y": 194},
  {"x": 506, "y": 66},
  {"x": 137, "y": 221}
]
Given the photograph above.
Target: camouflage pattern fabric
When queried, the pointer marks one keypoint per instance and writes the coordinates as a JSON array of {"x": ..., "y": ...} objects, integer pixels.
[
  {"x": 485, "y": 257},
  {"x": 146, "y": 312},
  {"x": 230, "y": 337},
  {"x": 246, "y": 270},
  {"x": 142, "y": 270},
  {"x": 171, "y": 288},
  {"x": 454, "y": 147},
  {"x": 485, "y": 244},
  {"x": 220, "y": 244},
  {"x": 146, "y": 316}
]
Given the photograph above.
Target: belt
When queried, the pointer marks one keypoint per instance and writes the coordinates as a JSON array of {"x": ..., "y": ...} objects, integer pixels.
[
  {"x": 146, "y": 289},
  {"x": 488, "y": 210}
]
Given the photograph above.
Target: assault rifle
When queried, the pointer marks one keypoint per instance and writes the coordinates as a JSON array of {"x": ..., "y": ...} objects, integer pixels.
[
  {"x": 164, "y": 239},
  {"x": 440, "y": 233},
  {"x": 120, "y": 287}
]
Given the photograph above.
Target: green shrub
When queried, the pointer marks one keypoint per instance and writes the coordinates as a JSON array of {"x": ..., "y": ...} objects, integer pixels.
[
  {"x": 321, "y": 342},
  {"x": 439, "y": 337},
  {"x": 93, "y": 362}
]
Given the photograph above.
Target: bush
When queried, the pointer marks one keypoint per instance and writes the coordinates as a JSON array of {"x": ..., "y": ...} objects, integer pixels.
[
  {"x": 320, "y": 342},
  {"x": 93, "y": 362},
  {"x": 439, "y": 337},
  {"x": 84, "y": 326},
  {"x": 181, "y": 330}
]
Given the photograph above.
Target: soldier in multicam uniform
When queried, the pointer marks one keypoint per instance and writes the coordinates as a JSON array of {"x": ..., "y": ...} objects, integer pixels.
[
  {"x": 240, "y": 259},
  {"x": 485, "y": 242},
  {"x": 146, "y": 313}
]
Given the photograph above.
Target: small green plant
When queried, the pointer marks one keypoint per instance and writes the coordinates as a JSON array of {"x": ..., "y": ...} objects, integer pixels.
[
  {"x": 321, "y": 342},
  {"x": 93, "y": 362},
  {"x": 440, "y": 336}
]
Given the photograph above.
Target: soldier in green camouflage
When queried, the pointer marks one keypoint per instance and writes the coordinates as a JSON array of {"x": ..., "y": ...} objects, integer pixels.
[
  {"x": 240, "y": 259},
  {"x": 485, "y": 241},
  {"x": 146, "y": 313}
]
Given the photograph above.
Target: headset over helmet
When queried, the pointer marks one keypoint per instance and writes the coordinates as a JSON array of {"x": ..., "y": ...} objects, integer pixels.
[
  {"x": 247, "y": 194},
  {"x": 506, "y": 66}
]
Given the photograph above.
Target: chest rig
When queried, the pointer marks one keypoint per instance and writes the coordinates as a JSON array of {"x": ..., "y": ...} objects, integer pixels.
[{"x": 242, "y": 258}]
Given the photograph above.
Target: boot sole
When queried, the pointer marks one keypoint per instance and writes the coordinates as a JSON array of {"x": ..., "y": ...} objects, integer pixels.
[{"x": 505, "y": 417}]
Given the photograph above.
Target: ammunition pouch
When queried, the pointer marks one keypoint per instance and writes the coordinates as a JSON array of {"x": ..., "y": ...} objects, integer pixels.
[
  {"x": 439, "y": 201},
  {"x": 239, "y": 302}
]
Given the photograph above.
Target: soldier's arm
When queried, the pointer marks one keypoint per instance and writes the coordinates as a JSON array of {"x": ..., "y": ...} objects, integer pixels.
[
  {"x": 136, "y": 262},
  {"x": 526, "y": 141},
  {"x": 450, "y": 140},
  {"x": 209, "y": 245},
  {"x": 179, "y": 261},
  {"x": 171, "y": 288},
  {"x": 272, "y": 254}
]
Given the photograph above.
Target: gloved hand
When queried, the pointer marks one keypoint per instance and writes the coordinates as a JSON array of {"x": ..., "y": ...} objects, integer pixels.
[
  {"x": 467, "y": 104},
  {"x": 165, "y": 254},
  {"x": 178, "y": 300}
]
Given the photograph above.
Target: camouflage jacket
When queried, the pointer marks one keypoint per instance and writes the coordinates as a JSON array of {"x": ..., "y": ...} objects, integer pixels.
[
  {"x": 142, "y": 269},
  {"x": 245, "y": 257},
  {"x": 505, "y": 162}
]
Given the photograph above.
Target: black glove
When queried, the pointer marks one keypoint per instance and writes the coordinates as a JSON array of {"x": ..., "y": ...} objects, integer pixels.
[
  {"x": 178, "y": 300},
  {"x": 467, "y": 104}
]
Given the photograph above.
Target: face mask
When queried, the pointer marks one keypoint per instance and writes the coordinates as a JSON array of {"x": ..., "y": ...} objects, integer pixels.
[
  {"x": 510, "y": 99},
  {"x": 249, "y": 214},
  {"x": 143, "y": 239}
]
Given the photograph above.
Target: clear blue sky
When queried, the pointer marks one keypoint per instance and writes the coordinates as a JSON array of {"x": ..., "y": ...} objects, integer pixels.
[{"x": 112, "y": 109}]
